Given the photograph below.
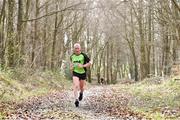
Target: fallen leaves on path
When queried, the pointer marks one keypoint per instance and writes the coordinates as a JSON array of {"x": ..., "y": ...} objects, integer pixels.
[
  {"x": 46, "y": 107},
  {"x": 99, "y": 103},
  {"x": 114, "y": 104}
]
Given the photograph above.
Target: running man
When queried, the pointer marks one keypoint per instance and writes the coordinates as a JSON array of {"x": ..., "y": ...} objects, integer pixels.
[{"x": 79, "y": 63}]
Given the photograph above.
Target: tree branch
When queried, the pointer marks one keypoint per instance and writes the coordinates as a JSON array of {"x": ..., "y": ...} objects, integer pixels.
[
  {"x": 177, "y": 6},
  {"x": 54, "y": 12},
  {"x": 2, "y": 10}
]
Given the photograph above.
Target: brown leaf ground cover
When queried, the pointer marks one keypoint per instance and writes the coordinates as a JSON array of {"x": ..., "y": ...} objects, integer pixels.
[
  {"x": 154, "y": 98},
  {"x": 101, "y": 103}
]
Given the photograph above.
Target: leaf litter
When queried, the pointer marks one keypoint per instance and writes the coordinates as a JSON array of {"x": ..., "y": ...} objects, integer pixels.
[{"x": 99, "y": 103}]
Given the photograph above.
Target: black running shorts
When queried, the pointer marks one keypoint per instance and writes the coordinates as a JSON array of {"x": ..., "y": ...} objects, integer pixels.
[{"x": 80, "y": 76}]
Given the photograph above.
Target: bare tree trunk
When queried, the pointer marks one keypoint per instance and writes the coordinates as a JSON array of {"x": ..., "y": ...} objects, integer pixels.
[
  {"x": 10, "y": 35},
  {"x": 2, "y": 38},
  {"x": 149, "y": 36},
  {"x": 35, "y": 39},
  {"x": 99, "y": 68},
  {"x": 62, "y": 50},
  {"x": 54, "y": 41},
  {"x": 77, "y": 31},
  {"x": 19, "y": 32},
  {"x": 24, "y": 34},
  {"x": 143, "y": 64},
  {"x": 108, "y": 65},
  {"x": 176, "y": 51},
  {"x": 44, "y": 51},
  {"x": 154, "y": 64},
  {"x": 118, "y": 64},
  {"x": 166, "y": 52},
  {"x": 104, "y": 65},
  {"x": 26, "y": 16},
  {"x": 3, "y": 10},
  {"x": 133, "y": 50},
  {"x": 131, "y": 43},
  {"x": 111, "y": 62},
  {"x": 135, "y": 65}
]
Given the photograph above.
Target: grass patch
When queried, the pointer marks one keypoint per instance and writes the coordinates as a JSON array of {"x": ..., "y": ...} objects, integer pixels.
[
  {"x": 1, "y": 116},
  {"x": 18, "y": 84},
  {"x": 157, "y": 100}
]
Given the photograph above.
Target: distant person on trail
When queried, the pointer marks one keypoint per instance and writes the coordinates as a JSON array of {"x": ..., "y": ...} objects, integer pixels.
[{"x": 79, "y": 62}]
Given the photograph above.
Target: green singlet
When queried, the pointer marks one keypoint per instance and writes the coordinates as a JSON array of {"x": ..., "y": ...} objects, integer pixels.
[{"x": 82, "y": 59}]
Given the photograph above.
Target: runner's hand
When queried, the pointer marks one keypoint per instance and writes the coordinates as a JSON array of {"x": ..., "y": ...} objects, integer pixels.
[
  {"x": 71, "y": 66},
  {"x": 80, "y": 66}
]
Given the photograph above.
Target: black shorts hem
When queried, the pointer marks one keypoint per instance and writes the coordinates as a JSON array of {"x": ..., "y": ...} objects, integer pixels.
[{"x": 80, "y": 76}]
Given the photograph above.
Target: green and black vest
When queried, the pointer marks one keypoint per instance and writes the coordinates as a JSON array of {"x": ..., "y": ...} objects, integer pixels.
[{"x": 82, "y": 58}]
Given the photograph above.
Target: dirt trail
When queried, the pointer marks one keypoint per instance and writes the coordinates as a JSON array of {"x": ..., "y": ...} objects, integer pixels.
[{"x": 61, "y": 106}]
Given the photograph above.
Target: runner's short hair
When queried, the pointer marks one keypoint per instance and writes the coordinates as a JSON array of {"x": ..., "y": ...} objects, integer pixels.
[{"x": 77, "y": 45}]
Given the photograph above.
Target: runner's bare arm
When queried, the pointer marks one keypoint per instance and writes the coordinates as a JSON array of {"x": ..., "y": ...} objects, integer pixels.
[{"x": 88, "y": 64}]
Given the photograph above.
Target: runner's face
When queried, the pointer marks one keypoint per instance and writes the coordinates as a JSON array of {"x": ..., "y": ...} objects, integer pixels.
[{"x": 77, "y": 50}]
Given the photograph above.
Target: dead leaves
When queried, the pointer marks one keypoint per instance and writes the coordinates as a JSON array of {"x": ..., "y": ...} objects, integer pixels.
[
  {"x": 113, "y": 104},
  {"x": 39, "y": 107},
  {"x": 171, "y": 113},
  {"x": 100, "y": 102}
]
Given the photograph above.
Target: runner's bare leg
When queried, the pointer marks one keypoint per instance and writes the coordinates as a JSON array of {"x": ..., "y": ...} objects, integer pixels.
[
  {"x": 82, "y": 84},
  {"x": 75, "y": 86}
]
